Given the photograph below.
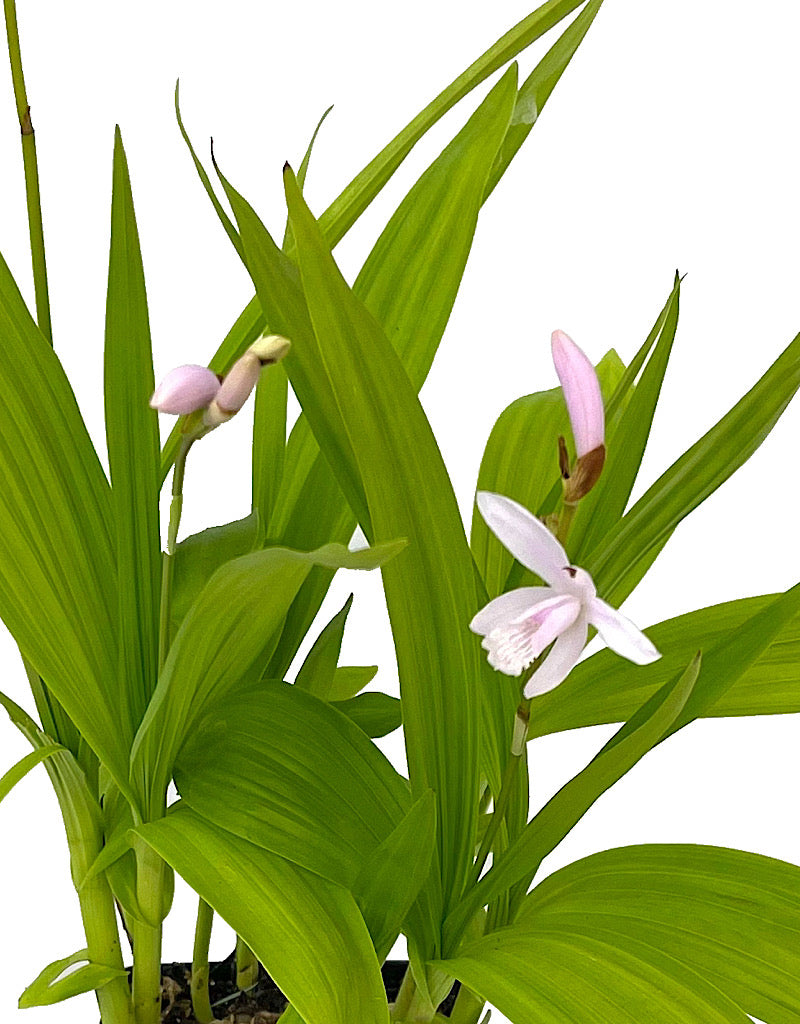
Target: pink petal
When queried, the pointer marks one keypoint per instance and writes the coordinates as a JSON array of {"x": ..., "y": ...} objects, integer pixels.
[
  {"x": 185, "y": 389},
  {"x": 528, "y": 539},
  {"x": 581, "y": 393},
  {"x": 239, "y": 383},
  {"x": 507, "y": 607},
  {"x": 560, "y": 661},
  {"x": 620, "y": 633},
  {"x": 513, "y": 645}
]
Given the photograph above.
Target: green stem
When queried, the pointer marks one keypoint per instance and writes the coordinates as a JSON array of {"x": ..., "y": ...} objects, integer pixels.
[
  {"x": 410, "y": 1005},
  {"x": 175, "y": 509},
  {"x": 468, "y": 1007},
  {"x": 506, "y": 788},
  {"x": 150, "y": 878},
  {"x": 201, "y": 1002},
  {"x": 31, "y": 168},
  {"x": 102, "y": 942},
  {"x": 246, "y": 965},
  {"x": 565, "y": 517}
]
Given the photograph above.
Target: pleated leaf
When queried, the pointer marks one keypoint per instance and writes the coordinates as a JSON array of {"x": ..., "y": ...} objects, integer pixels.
[
  {"x": 606, "y": 688},
  {"x": 288, "y": 772},
  {"x": 221, "y": 639},
  {"x": 729, "y": 916},
  {"x": 307, "y": 931},
  {"x": 318, "y": 670},
  {"x": 58, "y": 590},
  {"x": 557, "y": 972},
  {"x": 376, "y": 714},
  {"x": 618, "y": 563},
  {"x": 18, "y": 771},
  {"x": 134, "y": 450}
]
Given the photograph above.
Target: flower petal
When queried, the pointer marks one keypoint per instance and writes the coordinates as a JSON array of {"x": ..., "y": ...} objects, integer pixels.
[
  {"x": 184, "y": 390},
  {"x": 581, "y": 393},
  {"x": 507, "y": 607},
  {"x": 620, "y": 634},
  {"x": 528, "y": 539},
  {"x": 513, "y": 645},
  {"x": 560, "y": 661}
]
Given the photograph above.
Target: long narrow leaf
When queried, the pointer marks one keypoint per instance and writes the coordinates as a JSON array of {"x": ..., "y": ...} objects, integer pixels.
[
  {"x": 18, "y": 771},
  {"x": 58, "y": 592},
  {"x": 616, "y": 563},
  {"x": 133, "y": 451}
]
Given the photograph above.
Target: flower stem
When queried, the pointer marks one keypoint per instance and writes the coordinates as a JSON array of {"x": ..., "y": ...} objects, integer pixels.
[
  {"x": 175, "y": 509},
  {"x": 565, "y": 517},
  {"x": 201, "y": 1003},
  {"x": 102, "y": 941},
  {"x": 31, "y": 169}
]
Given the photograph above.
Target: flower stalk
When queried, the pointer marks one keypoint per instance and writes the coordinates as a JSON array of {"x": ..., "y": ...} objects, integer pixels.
[{"x": 201, "y": 1002}]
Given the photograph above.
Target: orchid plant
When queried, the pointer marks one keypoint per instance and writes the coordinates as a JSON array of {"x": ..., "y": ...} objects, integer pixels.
[{"x": 149, "y": 668}]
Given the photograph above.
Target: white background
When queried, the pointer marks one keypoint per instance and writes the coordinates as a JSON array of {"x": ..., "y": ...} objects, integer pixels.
[{"x": 670, "y": 143}]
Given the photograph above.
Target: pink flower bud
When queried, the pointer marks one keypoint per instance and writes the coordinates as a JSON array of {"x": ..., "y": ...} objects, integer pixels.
[
  {"x": 581, "y": 393},
  {"x": 235, "y": 390},
  {"x": 185, "y": 389}
]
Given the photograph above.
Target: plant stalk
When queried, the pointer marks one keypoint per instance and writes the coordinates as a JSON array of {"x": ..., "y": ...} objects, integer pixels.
[
  {"x": 150, "y": 877},
  {"x": 31, "y": 169},
  {"x": 246, "y": 965},
  {"x": 201, "y": 1002},
  {"x": 102, "y": 942},
  {"x": 175, "y": 509}
]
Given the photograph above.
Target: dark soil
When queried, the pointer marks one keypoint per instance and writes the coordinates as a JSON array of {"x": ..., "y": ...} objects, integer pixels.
[{"x": 262, "y": 1004}]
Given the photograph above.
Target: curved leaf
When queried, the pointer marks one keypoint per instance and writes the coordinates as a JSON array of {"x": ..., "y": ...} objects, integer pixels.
[
  {"x": 50, "y": 987},
  {"x": 18, "y": 771},
  {"x": 283, "y": 769},
  {"x": 307, "y": 931},
  {"x": 730, "y": 916}
]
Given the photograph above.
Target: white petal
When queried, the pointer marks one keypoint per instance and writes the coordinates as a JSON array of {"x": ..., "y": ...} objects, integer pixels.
[
  {"x": 513, "y": 645},
  {"x": 560, "y": 661},
  {"x": 528, "y": 539},
  {"x": 507, "y": 607},
  {"x": 620, "y": 633}
]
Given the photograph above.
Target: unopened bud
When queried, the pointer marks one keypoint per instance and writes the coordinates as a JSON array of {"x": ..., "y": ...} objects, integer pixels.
[
  {"x": 270, "y": 348},
  {"x": 185, "y": 390},
  {"x": 581, "y": 393},
  {"x": 234, "y": 391}
]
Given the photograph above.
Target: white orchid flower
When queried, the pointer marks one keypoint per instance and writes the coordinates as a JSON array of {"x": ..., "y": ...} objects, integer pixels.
[{"x": 519, "y": 626}]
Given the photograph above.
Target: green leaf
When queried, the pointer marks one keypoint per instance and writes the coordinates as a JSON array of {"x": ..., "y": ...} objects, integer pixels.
[
  {"x": 50, "y": 987},
  {"x": 438, "y": 663},
  {"x": 606, "y": 688},
  {"x": 302, "y": 170},
  {"x": 521, "y": 462},
  {"x": 318, "y": 671},
  {"x": 603, "y": 507},
  {"x": 537, "y": 87},
  {"x": 220, "y": 641},
  {"x": 133, "y": 451},
  {"x": 562, "y": 812},
  {"x": 18, "y": 772},
  {"x": 558, "y": 972},
  {"x": 58, "y": 584},
  {"x": 198, "y": 557},
  {"x": 729, "y": 916},
  {"x": 616, "y": 563},
  {"x": 390, "y": 880},
  {"x": 377, "y": 714},
  {"x": 308, "y": 784},
  {"x": 348, "y": 680},
  {"x": 307, "y": 931}
]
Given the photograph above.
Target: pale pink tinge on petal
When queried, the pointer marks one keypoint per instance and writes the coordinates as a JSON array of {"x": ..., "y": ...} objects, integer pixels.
[
  {"x": 581, "y": 393},
  {"x": 184, "y": 390},
  {"x": 620, "y": 634},
  {"x": 560, "y": 661},
  {"x": 239, "y": 383},
  {"x": 526, "y": 537},
  {"x": 514, "y": 645},
  {"x": 507, "y": 607}
]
